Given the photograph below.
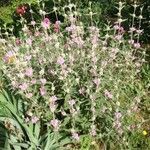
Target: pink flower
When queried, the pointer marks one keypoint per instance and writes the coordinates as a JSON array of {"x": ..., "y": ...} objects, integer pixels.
[
  {"x": 131, "y": 41},
  {"x": 121, "y": 30},
  {"x": 57, "y": 26},
  {"x": 60, "y": 60},
  {"x": 34, "y": 119},
  {"x": 96, "y": 81},
  {"x": 71, "y": 102},
  {"x": 14, "y": 84},
  {"x": 33, "y": 81},
  {"x": 42, "y": 91},
  {"x": 23, "y": 86},
  {"x": 139, "y": 31},
  {"x": 116, "y": 27},
  {"x": 52, "y": 104},
  {"x": 55, "y": 124},
  {"x": 71, "y": 28},
  {"x": 43, "y": 81},
  {"x": 33, "y": 23},
  {"x": 137, "y": 45},
  {"x": 9, "y": 56},
  {"x": 45, "y": 23},
  {"x": 18, "y": 42},
  {"x": 29, "y": 41},
  {"x": 78, "y": 40},
  {"x": 29, "y": 72},
  {"x": 29, "y": 95},
  {"x": 53, "y": 98},
  {"x": 75, "y": 135},
  {"x": 118, "y": 37},
  {"x": 108, "y": 94},
  {"x": 132, "y": 29}
]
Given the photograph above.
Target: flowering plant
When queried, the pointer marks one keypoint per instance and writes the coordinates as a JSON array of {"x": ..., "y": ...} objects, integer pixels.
[
  {"x": 75, "y": 80},
  {"x": 21, "y": 10}
]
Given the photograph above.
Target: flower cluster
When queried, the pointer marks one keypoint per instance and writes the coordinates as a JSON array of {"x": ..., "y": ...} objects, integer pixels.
[{"x": 72, "y": 78}]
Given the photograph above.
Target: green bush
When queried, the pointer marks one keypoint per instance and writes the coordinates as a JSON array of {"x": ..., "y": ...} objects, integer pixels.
[
  {"x": 7, "y": 11},
  {"x": 73, "y": 83}
]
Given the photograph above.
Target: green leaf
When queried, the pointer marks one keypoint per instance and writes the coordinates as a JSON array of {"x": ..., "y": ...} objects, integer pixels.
[
  {"x": 23, "y": 145},
  {"x": 4, "y": 98},
  {"x": 7, "y": 145},
  {"x": 51, "y": 142},
  {"x": 12, "y": 140},
  {"x": 37, "y": 127}
]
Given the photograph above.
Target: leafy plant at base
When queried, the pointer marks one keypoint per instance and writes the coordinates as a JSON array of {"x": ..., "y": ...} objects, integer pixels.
[{"x": 70, "y": 79}]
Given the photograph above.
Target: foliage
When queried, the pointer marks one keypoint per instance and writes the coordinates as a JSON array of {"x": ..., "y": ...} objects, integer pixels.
[
  {"x": 7, "y": 11},
  {"x": 104, "y": 8},
  {"x": 74, "y": 83}
]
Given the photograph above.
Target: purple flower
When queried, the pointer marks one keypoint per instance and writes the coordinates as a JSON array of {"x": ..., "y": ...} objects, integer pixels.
[
  {"x": 71, "y": 102},
  {"x": 131, "y": 41},
  {"x": 116, "y": 27},
  {"x": 55, "y": 124},
  {"x": 43, "y": 81},
  {"x": 29, "y": 42},
  {"x": 96, "y": 81},
  {"x": 23, "y": 86},
  {"x": 137, "y": 45},
  {"x": 52, "y": 104},
  {"x": 14, "y": 84},
  {"x": 42, "y": 91},
  {"x": 34, "y": 119},
  {"x": 139, "y": 31},
  {"x": 60, "y": 60},
  {"x": 45, "y": 23},
  {"x": 29, "y": 72},
  {"x": 9, "y": 56},
  {"x": 53, "y": 98},
  {"x": 132, "y": 29},
  {"x": 75, "y": 135},
  {"x": 33, "y": 23},
  {"x": 57, "y": 26},
  {"x": 118, "y": 37},
  {"x": 108, "y": 94},
  {"x": 33, "y": 81}
]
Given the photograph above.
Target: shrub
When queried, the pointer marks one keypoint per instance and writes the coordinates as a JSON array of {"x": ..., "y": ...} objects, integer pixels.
[
  {"x": 72, "y": 82},
  {"x": 7, "y": 9}
]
